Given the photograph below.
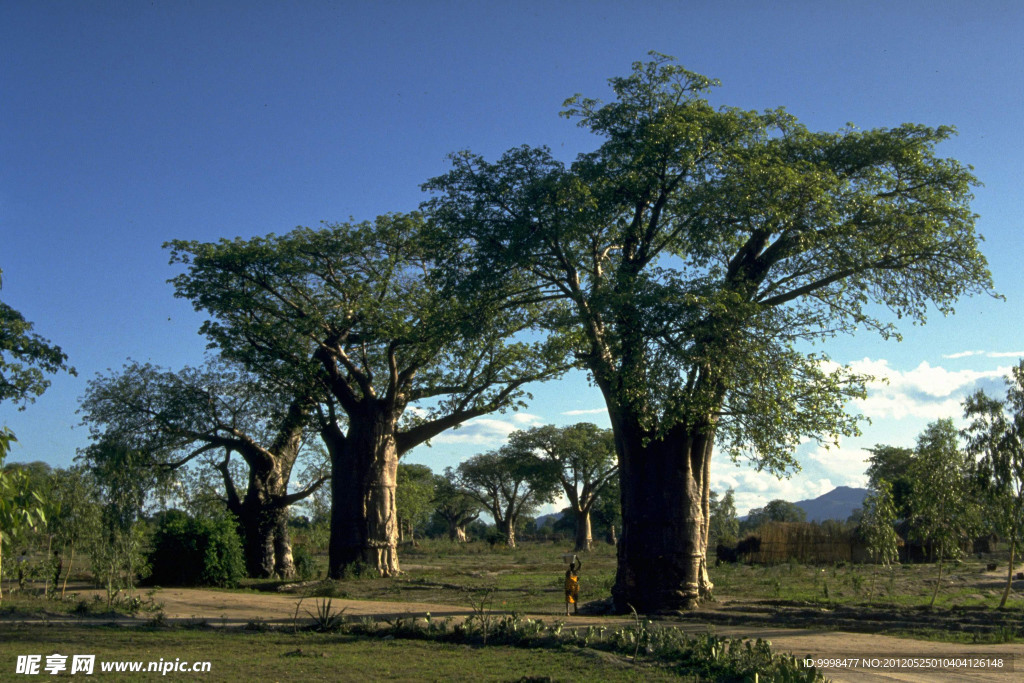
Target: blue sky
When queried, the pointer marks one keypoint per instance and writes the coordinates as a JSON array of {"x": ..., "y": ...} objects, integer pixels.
[{"x": 127, "y": 124}]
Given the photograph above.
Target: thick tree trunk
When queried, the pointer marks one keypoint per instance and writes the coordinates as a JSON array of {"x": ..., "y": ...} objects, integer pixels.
[
  {"x": 259, "y": 526},
  {"x": 508, "y": 530},
  {"x": 364, "y": 520},
  {"x": 284, "y": 563},
  {"x": 661, "y": 552},
  {"x": 583, "y": 533}
]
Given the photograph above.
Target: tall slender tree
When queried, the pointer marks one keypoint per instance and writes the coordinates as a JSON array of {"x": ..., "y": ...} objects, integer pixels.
[
  {"x": 355, "y": 309},
  {"x": 25, "y": 360},
  {"x": 945, "y": 513},
  {"x": 697, "y": 252},
  {"x": 996, "y": 437}
]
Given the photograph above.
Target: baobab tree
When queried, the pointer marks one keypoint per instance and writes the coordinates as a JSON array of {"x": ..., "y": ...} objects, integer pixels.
[
  {"x": 355, "y": 310},
  {"x": 585, "y": 458},
  {"x": 207, "y": 415},
  {"x": 696, "y": 251}
]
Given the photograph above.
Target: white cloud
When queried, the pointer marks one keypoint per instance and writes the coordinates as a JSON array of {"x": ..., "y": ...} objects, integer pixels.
[
  {"x": 488, "y": 431},
  {"x": 987, "y": 354},
  {"x": 924, "y": 392},
  {"x": 589, "y": 411},
  {"x": 963, "y": 354},
  {"x": 755, "y": 489}
]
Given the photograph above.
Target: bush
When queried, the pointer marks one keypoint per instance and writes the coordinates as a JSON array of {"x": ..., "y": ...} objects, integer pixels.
[
  {"x": 305, "y": 564},
  {"x": 196, "y": 552}
]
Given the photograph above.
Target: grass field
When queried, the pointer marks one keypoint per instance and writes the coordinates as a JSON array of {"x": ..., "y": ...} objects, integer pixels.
[
  {"x": 529, "y": 579},
  {"x": 281, "y": 656},
  {"x": 498, "y": 581}
]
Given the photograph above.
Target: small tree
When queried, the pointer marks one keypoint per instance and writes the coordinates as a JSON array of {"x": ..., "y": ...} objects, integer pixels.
[
  {"x": 725, "y": 525},
  {"x": 413, "y": 496},
  {"x": 75, "y": 522},
  {"x": 892, "y": 464},
  {"x": 123, "y": 477},
  {"x": 996, "y": 436},
  {"x": 21, "y": 507},
  {"x": 877, "y": 519},
  {"x": 454, "y": 506},
  {"x": 585, "y": 460},
  {"x": 944, "y": 513},
  {"x": 509, "y": 483}
]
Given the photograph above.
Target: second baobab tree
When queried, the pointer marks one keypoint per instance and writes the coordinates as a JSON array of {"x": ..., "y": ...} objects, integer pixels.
[
  {"x": 355, "y": 309},
  {"x": 584, "y": 456}
]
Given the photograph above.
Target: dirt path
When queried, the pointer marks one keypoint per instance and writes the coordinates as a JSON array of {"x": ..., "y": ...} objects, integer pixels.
[{"x": 223, "y": 608}]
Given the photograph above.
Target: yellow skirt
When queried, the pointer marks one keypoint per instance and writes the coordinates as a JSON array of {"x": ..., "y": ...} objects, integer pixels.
[{"x": 572, "y": 590}]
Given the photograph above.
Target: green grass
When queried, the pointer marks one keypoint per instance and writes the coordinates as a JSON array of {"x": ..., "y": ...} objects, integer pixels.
[
  {"x": 529, "y": 578},
  {"x": 281, "y": 656}
]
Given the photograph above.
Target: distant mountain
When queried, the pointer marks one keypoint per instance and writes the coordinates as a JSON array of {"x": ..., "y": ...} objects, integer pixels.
[
  {"x": 543, "y": 519},
  {"x": 839, "y": 503}
]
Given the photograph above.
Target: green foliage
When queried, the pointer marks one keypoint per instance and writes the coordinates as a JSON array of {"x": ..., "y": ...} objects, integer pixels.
[
  {"x": 696, "y": 249},
  {"x": 355, "y": 308},
  {"x": 777, "y": 510},
  {"x": 75, "y": 508},
  {"x": 414, "y": 495},
  {"x": 22, "y": 507},
  {"x": 996, "y": 437},
  {"x": 510, "y": 483},
  {"x": 724, "y": 523},
  {"x": 305, "y": 563},
  {"x": 24, "y": 358},
  {"x": 892, "y": 464},
  {"x": 190, "y": 551}
]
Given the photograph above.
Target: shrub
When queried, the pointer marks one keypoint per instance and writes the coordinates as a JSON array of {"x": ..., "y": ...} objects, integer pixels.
[
  {"x": 196, "y": 552},
  {"x": 305, "y": 564}
]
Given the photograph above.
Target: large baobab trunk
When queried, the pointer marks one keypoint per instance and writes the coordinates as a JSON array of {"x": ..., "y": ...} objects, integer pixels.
[
  {"x": 263, "y": 512},
  {"x": 258, "y": 529},
  {"x": 661, "y": 552},
  {"x": 263, "y": 520},
  {"x": 583, "y": 531},
  {"x": 364, "y": 520},
  {"x": 284, "y": 563}
]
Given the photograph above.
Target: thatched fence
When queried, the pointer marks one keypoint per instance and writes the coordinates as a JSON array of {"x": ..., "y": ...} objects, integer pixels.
[{"x": 806, "y": 543}]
